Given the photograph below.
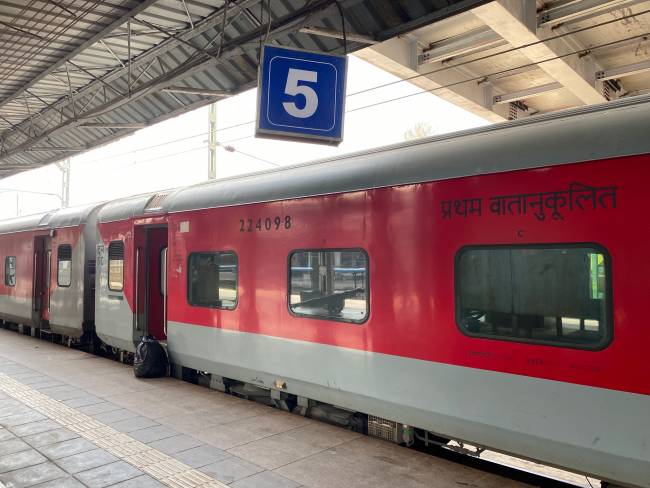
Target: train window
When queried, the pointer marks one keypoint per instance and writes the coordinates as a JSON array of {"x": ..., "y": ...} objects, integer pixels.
[
  {"x": 116, "y": 266},
  {"x": 555, "y": 295},
  {"x": 329, "y": 284},
  {"x": 212, "y": 279},
  {"x": 10, "y": 271},
  {"x": 64, "y": 265}
]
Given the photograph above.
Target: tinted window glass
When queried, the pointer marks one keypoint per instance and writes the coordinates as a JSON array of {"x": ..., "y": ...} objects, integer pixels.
[
  {"x": 212, "y": 279},
  {"x": 555, "y": 295},
  {"x": 329, "y": 284},
  {"x": 64, "y": 265},
  {"x": 10, "y": 271},
  {"x": 116, "y": 266}
]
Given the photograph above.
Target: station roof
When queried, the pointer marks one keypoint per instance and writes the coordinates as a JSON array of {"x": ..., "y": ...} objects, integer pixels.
[
  {"x": 504, "y": 60},
  {"x": 76, "y": 74}
]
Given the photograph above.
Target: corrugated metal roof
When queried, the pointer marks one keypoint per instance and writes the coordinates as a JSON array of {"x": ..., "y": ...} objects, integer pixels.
[{"x": 76, "y": 74}]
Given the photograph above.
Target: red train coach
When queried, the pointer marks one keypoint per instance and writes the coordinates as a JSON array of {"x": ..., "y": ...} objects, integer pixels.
[{"x": 486, "y": 286}]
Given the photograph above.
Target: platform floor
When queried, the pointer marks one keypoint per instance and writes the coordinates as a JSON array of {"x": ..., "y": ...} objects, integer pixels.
[{"x": 70, "y": 419}]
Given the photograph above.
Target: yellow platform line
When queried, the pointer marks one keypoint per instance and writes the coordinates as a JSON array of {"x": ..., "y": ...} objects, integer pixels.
[{"x": 156, "y": 464}]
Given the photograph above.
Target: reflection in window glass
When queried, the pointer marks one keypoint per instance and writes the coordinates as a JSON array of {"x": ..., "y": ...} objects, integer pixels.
[
  {"x": 212, "y": 279},
  {"x": 545, "y": 295},
  {"x": 329, "y": 284},
  {"x": 116, "y": 266},
  {"x": 10, "y": 271},
  {"x": 64, "y": 265}
]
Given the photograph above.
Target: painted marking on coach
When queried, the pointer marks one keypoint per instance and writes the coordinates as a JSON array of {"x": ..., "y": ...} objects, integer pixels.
[
  {"x": 160, "y": 466},
  {"x": 277, "y": 223},
  {"x": 519, "y": 204}
]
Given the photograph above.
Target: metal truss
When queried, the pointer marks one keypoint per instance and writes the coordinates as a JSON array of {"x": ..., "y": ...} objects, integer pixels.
[{"x": 156, "y": 60}]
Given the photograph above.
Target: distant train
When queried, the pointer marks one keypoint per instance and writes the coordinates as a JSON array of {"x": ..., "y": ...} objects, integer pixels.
[{"x": 486, "y": 286}]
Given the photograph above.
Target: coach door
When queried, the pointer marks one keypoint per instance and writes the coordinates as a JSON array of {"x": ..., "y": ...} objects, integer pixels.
[
  {"x": 41, "y": 280},
  {"x": 151, "y": 281}
]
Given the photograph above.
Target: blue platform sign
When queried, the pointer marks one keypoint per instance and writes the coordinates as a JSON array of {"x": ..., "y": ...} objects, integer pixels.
[{"x": 301, "y": 95}]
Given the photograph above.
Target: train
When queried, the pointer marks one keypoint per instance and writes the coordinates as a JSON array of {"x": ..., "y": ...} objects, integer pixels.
[{"x": 485, "y": 286}]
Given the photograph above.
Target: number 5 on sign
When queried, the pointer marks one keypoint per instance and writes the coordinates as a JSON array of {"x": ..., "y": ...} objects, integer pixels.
[
  {"x": 301, "y": 95},
  {"x": 293, "y": 88}
]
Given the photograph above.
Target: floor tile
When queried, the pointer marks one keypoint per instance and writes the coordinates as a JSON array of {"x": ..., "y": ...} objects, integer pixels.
[
  {"x": 6, "y": 434},
  {"x": 85, "y": 461},
  {"x": 35, "y": 427},
  {"x": 251, "y": 429},
  {"x": 274, "y": 451},
  {"x": 83, "y": 401},
  {"x": 12, "y": 445},
  {"x": 231, "y": 469},
  {"x": 200, "y": 456},
  {"x": 135, "y": 423},
  {"x": 67, "y": 448},
  {"x": 21, "y": 418},
  {"x": 265, "y": 479},
  {"x": 52, "y": 390},
  {"x": 68, "y": 395},
  {"x": 29, "y": 378},
  {"x": 19, "y": 460},
  {"x": 139, "y": 482},
  {"x": 99, "y": 408},
  {"x": 114, "y": 416},
  {"x": 50, "y": 437},
  {"x": 151, "y": 434},
  {"x": 61, "y": 483},
  {"x": 108, "y": 475},
  {"x": 8, "y": 406},
  {"x": 46, "y": 384},
  {"x": 23, "y": 478},
  {"x": 175, "y": 444}
]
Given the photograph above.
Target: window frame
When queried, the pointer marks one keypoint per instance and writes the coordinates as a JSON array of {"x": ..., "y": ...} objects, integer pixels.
[
  {"x": 15, "y": 276},
  {"x": 108, "y": 265},
  {"x": 322, "y": 317},
  {"x": 188, "y": 285},
  {"x": 58, "y": 264},
  {"x": 608, "y": 315}
]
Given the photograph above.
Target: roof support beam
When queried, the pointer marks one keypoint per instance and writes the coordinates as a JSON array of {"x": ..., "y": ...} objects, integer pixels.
[
  {"x": 101, "y": 125},
  {"x": 571, "y": 11},
  {"x": 516, "y": 22},
  {"x": 480, "y": 38},
  {"x": 399, "y": 56},
  {"x": 623, "y": 71},
  {"x": 350, "y": 36},
  {"x": 528, "y": 93},
  {"x": 197, "y": 91}
]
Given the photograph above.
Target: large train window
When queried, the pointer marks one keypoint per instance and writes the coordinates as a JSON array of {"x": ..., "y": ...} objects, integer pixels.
[
  {"x": 116, "y": 266},
  {"x": 64, "y": 265},
  {"x": 212, "y": 279},
  {"x": 329, "y": 284},
  {"x": 555, "y": 295},
  {"x": 10, "y": 271}
]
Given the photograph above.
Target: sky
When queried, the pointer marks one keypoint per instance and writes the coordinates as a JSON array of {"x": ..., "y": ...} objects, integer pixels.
[{"x": 174, "y": 153}]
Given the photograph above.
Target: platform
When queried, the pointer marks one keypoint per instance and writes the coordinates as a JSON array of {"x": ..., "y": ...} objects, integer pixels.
[{"x": 71, "y": 419}]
